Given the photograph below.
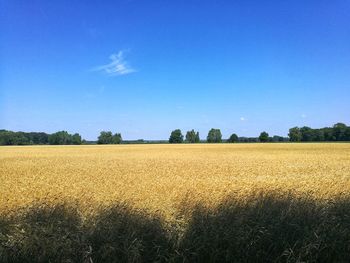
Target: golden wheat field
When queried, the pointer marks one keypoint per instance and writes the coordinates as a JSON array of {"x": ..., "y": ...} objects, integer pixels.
[{"x": 159, "y": 178}]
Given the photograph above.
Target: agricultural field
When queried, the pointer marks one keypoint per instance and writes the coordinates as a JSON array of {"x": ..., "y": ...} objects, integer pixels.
[
  {"x": 174, "y": 185},
  {"x": 160, "y": 177}
]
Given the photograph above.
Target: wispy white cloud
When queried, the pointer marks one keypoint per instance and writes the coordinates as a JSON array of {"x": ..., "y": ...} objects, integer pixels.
[
  {"x": 303, "y": 116},
  {"x": 242, "y": 119},
  {"x": 118, "y": 66}
]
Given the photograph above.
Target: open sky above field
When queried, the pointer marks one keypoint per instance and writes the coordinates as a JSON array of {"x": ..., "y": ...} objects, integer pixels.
[{"x": 144, "y": 68}]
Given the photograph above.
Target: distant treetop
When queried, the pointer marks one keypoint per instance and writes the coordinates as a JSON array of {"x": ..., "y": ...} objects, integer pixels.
[{"x": 176, "y": 136}]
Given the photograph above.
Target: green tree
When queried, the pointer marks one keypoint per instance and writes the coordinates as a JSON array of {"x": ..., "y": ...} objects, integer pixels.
[
  {"x": 277, "y": 138},
  {"x": 60, "y": 138},
  {"x": 214, "y": 136},
  {"x": 117, "y": 138},
  {"x": 13, "y": 138},
  {"x": 318, "y": 135},
  {"x": 328, "y": 134},
  {"x": 106, "y": 137},
  {"x": 176, "y": 136},
  {"x": 339, "y": 131},
  {"x": 37, "y": 137},
  {"x": 192, "y": 136},
  {"x": 4, "y": 137},
  {"x": 307, "y": 134},
  {"x": 294, "y": 134},
  {"x": 233, "y": 138},
  {"x": 347, "y": 134},
  {"x": 264, "y": 137},
  {"x": 76, "y": 139},
  {"x": 22, "y": 138}
]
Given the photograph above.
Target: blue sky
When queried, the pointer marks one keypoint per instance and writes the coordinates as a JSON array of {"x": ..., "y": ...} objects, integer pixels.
[{"x": 144, "y": 68}]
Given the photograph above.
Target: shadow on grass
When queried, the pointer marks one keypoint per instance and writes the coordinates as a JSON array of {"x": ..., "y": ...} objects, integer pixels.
[
  {"x": 43, "y": 234},
  {"x": 263, "y": 228},
  {"x": 120, "y": 234},
  {"x": 58, "y": 234},
  {"x": 268, "y": 228}
]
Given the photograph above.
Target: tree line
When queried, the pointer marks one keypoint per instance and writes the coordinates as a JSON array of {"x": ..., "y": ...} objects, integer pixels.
[
  {"x": 338, "y": 132},
  {"x": 39, "y": 138},
  {"x": 215, "y": 136},
  {"x": 57, "y": 138}
]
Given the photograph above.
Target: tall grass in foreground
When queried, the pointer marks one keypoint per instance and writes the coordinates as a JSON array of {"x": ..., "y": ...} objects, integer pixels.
[{"x": 263, "y": 228}]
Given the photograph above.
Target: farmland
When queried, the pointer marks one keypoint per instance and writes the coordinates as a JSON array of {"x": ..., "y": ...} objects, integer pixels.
[
  {"x": 159, "y": 177},
  {"x": 171, "y": 182}
]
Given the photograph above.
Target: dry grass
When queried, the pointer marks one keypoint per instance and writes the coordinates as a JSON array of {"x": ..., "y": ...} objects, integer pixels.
[
  {"x": 160, "y": 177},
  {"x": 178, "y": 203}
]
